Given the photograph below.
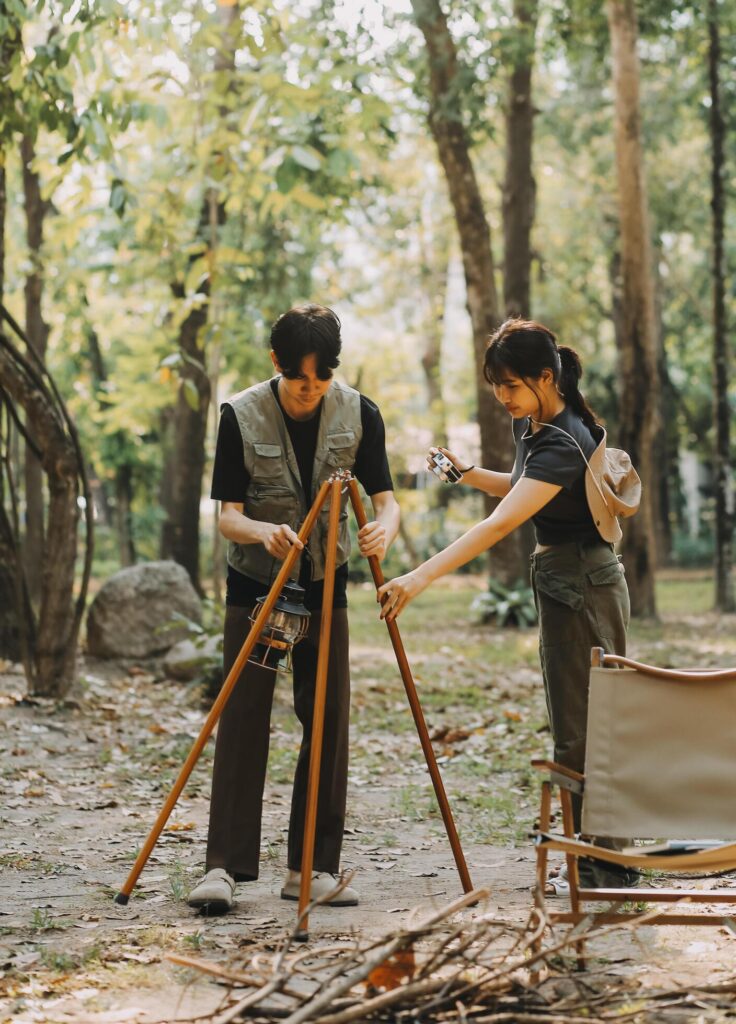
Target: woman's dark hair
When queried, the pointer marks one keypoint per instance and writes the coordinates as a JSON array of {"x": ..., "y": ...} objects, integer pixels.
[
  {"x": 525, "y": 348},
  {"x": 303, "y": 331}
]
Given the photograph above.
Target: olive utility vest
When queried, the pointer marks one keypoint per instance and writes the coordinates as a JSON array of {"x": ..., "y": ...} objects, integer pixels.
[{"x": 275, "y": 493}]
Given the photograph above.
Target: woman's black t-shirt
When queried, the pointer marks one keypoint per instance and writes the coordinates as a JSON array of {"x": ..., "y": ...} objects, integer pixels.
[
  {"x": 230, "y": 480},
  {"x": 553, "y": 457}
]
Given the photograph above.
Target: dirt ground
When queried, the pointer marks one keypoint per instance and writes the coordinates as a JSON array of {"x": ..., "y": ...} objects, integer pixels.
[{"x": 84, "y": 780}]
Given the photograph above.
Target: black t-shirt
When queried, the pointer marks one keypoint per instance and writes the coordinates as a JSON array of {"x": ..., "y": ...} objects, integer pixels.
[
  {"x": 230, "y": 481},
  {"x": 553, "y": 457}
]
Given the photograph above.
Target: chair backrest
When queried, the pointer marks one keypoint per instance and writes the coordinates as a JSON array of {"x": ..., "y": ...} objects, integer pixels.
[{"x": 661, "y": 753}]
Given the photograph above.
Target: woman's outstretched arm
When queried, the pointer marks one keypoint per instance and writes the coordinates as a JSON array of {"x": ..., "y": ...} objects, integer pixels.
[{"x": 523, "y": 501}]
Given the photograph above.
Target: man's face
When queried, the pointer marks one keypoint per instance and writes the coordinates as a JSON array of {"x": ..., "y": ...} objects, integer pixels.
[{"x": 303, "y": 393}]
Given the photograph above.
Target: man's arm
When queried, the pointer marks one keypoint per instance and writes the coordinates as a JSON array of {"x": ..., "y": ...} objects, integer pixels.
[
  {"x": 236, "y": 526},
  {"x": 376, "y": 537}
]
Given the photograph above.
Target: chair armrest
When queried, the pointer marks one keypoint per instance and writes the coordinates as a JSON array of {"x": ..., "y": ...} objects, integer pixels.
[
  {"x": 600, "y": 659},
  {"x": 567, "y": 778},
  {"x": 552, "y": 766}
]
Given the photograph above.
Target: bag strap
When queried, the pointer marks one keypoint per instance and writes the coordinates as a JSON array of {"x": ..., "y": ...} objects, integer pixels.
[{"x": 567, "y": 434}]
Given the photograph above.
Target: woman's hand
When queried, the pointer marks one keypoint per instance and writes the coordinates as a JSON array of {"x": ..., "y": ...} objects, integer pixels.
[
  {"x": 454, "y": 459},
  {"x": 396, "y": 594}
]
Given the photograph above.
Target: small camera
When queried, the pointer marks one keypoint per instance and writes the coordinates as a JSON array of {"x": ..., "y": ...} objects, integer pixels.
[{"x": 444, "y": 469}]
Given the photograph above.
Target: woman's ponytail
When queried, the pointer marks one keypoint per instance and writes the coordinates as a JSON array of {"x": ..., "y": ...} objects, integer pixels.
[{"x": 571, "y": 370}]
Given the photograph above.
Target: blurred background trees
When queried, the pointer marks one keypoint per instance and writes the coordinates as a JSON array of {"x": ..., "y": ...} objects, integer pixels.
[{"x": 174, "y": 175}]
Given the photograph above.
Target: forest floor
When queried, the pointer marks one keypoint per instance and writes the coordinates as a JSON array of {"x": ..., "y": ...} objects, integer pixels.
[{"x": 83, "y": 780}]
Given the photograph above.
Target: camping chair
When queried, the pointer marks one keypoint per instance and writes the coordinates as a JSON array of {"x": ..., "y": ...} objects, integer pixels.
[{"x": 660, "y": 764}]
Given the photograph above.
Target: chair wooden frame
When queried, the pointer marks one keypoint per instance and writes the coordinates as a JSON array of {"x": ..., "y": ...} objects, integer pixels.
[{"x": 709, "y": 859}]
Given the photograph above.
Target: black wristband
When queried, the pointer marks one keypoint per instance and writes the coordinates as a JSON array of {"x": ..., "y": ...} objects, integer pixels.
[{"x": 464, "y": 471}]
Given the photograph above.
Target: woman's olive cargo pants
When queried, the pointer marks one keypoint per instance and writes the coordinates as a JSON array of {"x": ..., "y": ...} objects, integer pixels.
[{"x": 583, "y": 602}]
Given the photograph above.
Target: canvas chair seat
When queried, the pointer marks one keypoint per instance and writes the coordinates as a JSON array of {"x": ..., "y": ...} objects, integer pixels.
[{"x": 660, "y": 765}]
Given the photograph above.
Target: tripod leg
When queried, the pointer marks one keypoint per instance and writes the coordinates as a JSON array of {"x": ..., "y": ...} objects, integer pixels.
[
  {"x": 318, "y": 716},
  {"x": 216, "y": 709},
  {"x": 416, "y": 708}
]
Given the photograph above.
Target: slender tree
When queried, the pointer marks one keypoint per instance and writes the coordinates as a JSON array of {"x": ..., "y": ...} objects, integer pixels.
[
  {"x": 453, "y": 147},
  {"x": 180, "y": 533},
  {"x": 519, "y": 190},
  {"x": 37, "y": 331},
  {"x": 434, "y": 252},
  {"x": 638, "y": 353},
  {"x": 724, "y": 596}
]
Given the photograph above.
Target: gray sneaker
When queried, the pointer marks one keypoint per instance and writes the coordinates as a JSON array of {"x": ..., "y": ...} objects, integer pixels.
[
  {"x": 214, "y": 893},
  {"x": 322, "y": 885}
]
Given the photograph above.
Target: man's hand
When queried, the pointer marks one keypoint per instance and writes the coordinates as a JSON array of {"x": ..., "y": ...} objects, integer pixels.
[
  {"x": 277, "y": 540},
  {"x": 373, "y": 539}
]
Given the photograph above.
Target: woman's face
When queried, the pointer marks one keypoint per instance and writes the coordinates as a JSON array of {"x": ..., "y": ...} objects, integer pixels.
[{"x": 518, "y": 398}]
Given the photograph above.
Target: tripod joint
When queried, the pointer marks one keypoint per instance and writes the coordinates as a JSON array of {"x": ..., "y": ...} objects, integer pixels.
[{"x": 343, "y": 475}]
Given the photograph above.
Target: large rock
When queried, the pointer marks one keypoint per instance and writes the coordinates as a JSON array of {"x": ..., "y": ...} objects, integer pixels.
[{"x": 135, "y": 613}]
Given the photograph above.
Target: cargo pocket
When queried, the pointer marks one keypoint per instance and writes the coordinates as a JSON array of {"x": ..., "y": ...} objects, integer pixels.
[
  {"x": 611, "y": 572},
  {"x": 268, "y": 464},
  {"x": 559, "y": 601},
  {"x": 271, "y": 504},
  {"x": 341, "y": 449},
  {"x": 565, "y": 591},
  {"x": 609, "y": 604}
]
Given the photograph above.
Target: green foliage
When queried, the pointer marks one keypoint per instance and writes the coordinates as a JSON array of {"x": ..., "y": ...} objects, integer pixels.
[
  {"x": 303, "y": 168},
  {"x": 689, "y": 551},
  {"x": 506, "y": 606}
]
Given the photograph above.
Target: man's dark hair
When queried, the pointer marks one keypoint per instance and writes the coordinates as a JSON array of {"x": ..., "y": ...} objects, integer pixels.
[{"x": 302, "y": 331}]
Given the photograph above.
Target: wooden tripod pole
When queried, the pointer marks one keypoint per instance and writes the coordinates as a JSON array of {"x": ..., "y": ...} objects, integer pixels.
[
  {"x": 318, "y": 713},
  {"x": 222, "y": 697},
  {"x": 416, "y": 708}
]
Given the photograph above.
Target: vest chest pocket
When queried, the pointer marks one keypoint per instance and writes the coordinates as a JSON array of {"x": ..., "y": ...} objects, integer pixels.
[
  {"x": 341, "y": 449},
  {"x": 268, "y": 463}
]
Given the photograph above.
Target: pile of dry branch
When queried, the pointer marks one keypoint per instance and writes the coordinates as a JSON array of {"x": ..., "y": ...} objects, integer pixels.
[{"x": 479, "y": 968}]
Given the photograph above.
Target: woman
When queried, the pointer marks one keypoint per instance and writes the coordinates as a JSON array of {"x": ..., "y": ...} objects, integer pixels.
[{"x": 578, "y": 581}]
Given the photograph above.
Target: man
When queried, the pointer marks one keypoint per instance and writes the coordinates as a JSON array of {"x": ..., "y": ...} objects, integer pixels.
[{"x": 277, "y": 442}]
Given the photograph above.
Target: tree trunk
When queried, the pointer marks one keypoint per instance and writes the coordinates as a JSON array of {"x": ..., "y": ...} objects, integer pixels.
[
  {"x": 3, "y": 212},
  {"x": 724, "y": 596},
  {"x": 434, "y": 256},
  {"x": 446, "y": 124},
  {"x": 638, "y": 354},
  {"x": 50, "y": 665},
  {"x": 9, "y": 626},
  {"x": 37, "y": 332},
  {"x": 218, "y": 556},
  {"x": 519, "y": 191},
  {"x": 123, "y": 469},
  {"x": 666, "y": 444},
  {"x": 180, "y": 531}
]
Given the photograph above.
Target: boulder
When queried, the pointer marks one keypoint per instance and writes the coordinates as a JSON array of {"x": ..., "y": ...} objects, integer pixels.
[
  {"x": 192, "y": 659},
  {"x": 138, "y": 611}
]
